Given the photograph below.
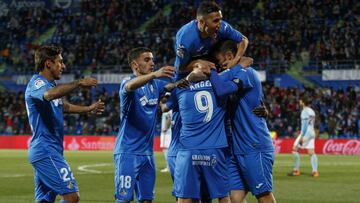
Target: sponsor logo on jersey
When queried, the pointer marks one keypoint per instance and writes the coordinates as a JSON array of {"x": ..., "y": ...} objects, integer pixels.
[{"x": 259, "y": 185}]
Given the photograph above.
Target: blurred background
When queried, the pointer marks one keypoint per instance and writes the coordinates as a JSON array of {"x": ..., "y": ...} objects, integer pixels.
[{"x": 302, "y": 46}]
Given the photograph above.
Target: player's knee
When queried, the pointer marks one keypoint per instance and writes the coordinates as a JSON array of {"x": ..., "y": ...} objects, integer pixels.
[
  {"x": 311, "y": 152},
  {"x": 237, "y": 196},
  {"x": 266, "y": 197},
  {"x": 146, "y": 201},
  {"x": 71, "y": 198}
]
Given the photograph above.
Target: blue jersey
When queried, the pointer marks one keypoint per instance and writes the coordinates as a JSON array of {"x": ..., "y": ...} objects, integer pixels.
[
  {"x": 202, "y": 117},
  {"x": 138, "y": 118},
  {"x": 45, "y": 118},
  {"x": 250, "y": 131},
  {"x": 175, "y": 125},
  {"x": 189, "y": 44}
]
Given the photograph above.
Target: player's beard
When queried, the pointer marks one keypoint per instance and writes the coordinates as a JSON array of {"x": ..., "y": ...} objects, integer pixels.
[{"x": 211, "y": 34}]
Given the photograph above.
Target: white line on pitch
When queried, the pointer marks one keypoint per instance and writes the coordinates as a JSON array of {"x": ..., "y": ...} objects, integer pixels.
[{"x": 85, "y": 168}]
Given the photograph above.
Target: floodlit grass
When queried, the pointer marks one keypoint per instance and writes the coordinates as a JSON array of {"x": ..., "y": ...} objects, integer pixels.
[{"x": 339, "y": 179}]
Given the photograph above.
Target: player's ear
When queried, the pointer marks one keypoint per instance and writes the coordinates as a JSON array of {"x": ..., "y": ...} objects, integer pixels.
[
  {"x": 229, "y": 55},
  {"x": 201, "y": 20},
  {"x": 134, "y": 65},
  {"x": 47, "y": 63}
]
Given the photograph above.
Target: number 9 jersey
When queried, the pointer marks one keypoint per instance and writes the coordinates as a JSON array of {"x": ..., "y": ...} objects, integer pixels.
[{"x": 202, "y": 115}]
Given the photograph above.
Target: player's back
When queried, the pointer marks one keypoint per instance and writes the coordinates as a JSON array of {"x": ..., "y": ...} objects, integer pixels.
[
  {"x": 202, "y": 116},
  {"x": 250, "y": 131},
  {"x": 45, "y": 118}
]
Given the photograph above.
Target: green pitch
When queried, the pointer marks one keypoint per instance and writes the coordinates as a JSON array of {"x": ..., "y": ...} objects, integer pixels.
[{"x": 339, "y": 179}]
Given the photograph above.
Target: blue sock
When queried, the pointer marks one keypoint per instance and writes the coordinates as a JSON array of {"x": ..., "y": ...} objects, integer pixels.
[
  {"x": 296, "y": 160},
  {"x": 314, "y": 162}
]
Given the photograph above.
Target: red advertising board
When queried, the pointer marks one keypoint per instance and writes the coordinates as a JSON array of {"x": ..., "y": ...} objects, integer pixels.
[
  {"x": 322, "y": 146},
  {"x": 70, "y": 142}
]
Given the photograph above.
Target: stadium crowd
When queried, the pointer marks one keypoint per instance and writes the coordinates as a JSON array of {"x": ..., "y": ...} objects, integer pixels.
[
  {"x": 338, "y": 112},
  {"x": 97, "y": 36}
]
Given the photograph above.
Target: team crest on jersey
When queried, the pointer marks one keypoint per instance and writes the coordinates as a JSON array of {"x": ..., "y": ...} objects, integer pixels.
[
  {"x": 39, "y": 83},
  {"x": 123, "y": 192},
  {"x": 57, "y": 102},
  {"x": 151, "y": 88},
  {"x": 213, "y": 160},
  {"x": 180, "y": 51},
  {"x": 70, "y": 185}
]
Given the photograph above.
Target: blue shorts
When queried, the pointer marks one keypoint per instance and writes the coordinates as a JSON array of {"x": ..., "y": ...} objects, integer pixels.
[
  {"x": 196, "y": 169},
  {"x": 171, "y": 163},
  {"x": 236, "y": 179},
  {"x": 256, "y": 169},
  {"x": 134, "y": 173},
  {"x": 53, "y": 176}
]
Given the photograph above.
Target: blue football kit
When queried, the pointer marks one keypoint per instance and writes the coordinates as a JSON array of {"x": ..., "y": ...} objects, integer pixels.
[
  {"x": 189, "y": 45},
  {"x": 202, "y": 156},
  {"x": 53, "y": 175},
  {"x": 133, "y": 151},
  {"x": 175, "y": 133},
  {"x": 252, "y": 145}
]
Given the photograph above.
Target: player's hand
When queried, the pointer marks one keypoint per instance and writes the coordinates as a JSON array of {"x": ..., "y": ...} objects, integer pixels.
[
  {"x": 301, "y": 141},
  {"x": 246, "y": 61},
  {"x": 98, "y": 107},
  {"x": 196, "y": 75},
  {"x": 88, "y": 82},
  {"x": 229, "y": 63},
  {"x": 183, "y": 83},
  {"x": 166, "y": 71},
  {"x": 204, "y": 66},
  {"x": 261, "y": 111}
]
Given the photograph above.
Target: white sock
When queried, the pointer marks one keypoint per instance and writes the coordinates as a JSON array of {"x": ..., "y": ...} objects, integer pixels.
[
  {"x": 314, "y": 162},
  {"x": 296, "y": 160}
]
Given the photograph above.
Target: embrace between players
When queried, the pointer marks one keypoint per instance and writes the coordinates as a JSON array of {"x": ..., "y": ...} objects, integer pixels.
[{"x": 221, "y": 146}]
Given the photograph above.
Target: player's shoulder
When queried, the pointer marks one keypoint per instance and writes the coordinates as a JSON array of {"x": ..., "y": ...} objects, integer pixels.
[
  {"x": 187, "y": 34},
  {"x": 37, "y": 82},
  {"x": 126, "y": 79},
  {"x": 310, "y": 111}
]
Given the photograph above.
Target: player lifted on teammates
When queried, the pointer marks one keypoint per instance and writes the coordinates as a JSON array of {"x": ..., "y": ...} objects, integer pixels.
[
  {"x": 45, "y": 106},
  {"x": 196, "y": 38}
]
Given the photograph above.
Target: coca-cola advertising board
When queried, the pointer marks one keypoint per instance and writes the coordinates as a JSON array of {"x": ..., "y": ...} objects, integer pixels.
[{"x": 322, "y": 146}]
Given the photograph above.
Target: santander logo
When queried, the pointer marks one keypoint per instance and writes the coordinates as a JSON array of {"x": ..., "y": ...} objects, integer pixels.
[
  {"x": 349, "y": 147},
  {"x": 73, "y": 145}
]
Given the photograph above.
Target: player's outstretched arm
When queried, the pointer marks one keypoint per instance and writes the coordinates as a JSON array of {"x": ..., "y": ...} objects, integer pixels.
[
  {"x": 64, "y": 89},
  {"x": 139, "y": 81},
  {"x": 96, "y": 107}
]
